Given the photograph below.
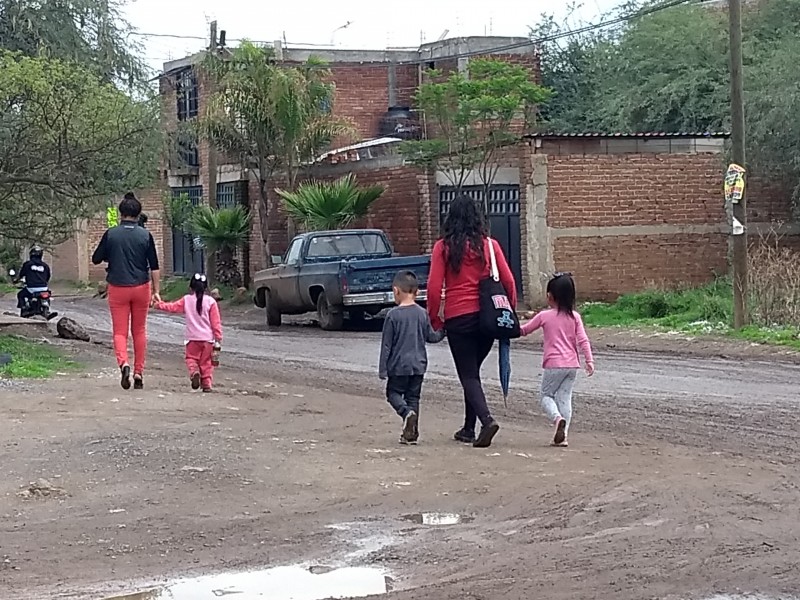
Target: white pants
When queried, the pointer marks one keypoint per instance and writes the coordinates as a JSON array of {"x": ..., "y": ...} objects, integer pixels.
[{"x": 556, "y": 398}]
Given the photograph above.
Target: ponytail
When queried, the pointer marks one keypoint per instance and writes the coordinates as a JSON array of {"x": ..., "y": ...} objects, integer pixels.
[{"x": 198, "y": 285}]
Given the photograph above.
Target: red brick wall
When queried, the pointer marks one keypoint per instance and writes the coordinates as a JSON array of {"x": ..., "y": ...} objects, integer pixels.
[
  {"x": 634, "y": 189},
  {"x": 401, "y": 212},
  {"x": 637, "y": 190},
  {"x": 606, "y": 267}
]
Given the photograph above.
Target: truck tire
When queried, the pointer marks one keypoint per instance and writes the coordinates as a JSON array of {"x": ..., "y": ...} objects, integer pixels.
[
  {"x": 329, "y": 320},
  {"x": 273, "y": 314}
]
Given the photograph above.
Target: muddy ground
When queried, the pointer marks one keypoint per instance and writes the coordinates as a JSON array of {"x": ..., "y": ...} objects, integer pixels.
[{"x": 680, "y": 482}]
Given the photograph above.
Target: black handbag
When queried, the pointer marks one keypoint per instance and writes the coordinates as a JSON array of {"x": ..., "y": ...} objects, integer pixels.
[{"x": 498, "y": 319}]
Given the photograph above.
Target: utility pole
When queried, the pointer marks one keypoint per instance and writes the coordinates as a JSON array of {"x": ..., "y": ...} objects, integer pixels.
[
  {"x": 740, "y": 260},
  {"x": 211, "y": 163}
]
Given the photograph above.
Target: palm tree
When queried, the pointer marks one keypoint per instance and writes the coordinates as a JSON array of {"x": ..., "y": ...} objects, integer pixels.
[
  {"x": 273, "y": 117},
  {"x": 323, "y": 206},
  {"x": 223, "y": 231}
]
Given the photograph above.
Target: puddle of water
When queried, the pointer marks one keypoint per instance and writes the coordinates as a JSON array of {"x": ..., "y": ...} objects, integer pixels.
[
  {"x": 436, "y": 519},
  {"x": 280, "y": 583}
]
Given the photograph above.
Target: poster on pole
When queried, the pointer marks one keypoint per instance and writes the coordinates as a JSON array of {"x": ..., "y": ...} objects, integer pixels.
[{"x": 734, "y": 183}]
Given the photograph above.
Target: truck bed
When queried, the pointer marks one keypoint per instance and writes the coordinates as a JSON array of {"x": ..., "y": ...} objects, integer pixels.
[{"x": 376, "y": 275}]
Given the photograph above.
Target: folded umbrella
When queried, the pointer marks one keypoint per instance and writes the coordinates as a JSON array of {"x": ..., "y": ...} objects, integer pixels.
[{"x": 504, "y": 363}]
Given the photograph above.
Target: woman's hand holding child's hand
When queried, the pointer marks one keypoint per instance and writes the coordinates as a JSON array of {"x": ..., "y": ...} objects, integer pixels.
[{"x": 589, "y": 369}]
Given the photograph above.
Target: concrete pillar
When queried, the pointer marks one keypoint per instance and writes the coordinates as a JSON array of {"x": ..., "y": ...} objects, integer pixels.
[
  {"x": 539, "y": 246},
  {"x": 82, "y": 247}
]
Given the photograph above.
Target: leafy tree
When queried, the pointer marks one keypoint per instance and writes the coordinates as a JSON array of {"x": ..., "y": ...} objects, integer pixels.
[
  {"x": 271, "y": 117},
  {"x": 91, "y": 33},
  {"x": 178, "y": 211},
  {"x": 223, "y": 231},
  {"x": 68, "y": 141},
  {"x": 322, "y": 206},
  {"x": 471, "y": 115},
  {"x": 668, "y": 71}
]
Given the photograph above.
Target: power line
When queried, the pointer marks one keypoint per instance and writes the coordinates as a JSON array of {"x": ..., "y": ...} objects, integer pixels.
[{"x": 497, "y": 49}]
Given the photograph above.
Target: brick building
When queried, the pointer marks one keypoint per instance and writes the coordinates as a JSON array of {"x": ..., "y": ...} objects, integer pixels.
[
  {"x": 621, "y": 212},
  {"x": 371, "y": 86}
]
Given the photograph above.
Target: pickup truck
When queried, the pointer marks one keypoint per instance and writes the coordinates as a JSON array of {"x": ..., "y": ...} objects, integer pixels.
[{"x": 335, "y": 273}]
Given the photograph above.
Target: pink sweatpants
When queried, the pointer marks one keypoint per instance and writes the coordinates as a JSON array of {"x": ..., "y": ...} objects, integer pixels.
[
  {"x": 198, "y": 360},
  {"x": 129, "y": 306}
]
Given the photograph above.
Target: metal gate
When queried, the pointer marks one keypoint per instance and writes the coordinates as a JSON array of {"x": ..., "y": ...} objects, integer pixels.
[
  {"x": 187, "y": 255},
  {"x": 503, "y": 219}
]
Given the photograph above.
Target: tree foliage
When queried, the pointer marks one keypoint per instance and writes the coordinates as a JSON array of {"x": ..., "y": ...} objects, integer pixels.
[
  {"x": 323, "y": 206},
  {"x": 272, "y": 117},
  {"x": 668, "y": 71},
  {"x": 91, "y": 33},
  {"x": 223, "y": 231},
  {"x": 471, "y": 115},
  {"x": 68, "y": 141}
]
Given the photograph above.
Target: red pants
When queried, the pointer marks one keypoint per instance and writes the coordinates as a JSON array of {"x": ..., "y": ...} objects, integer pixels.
[
  {"x": 198, "y": 360},
  {"x": 129, "y": 306}
]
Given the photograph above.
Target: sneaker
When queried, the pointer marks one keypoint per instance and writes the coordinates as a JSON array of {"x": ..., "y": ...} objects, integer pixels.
[
  {"x": 564, "y": 444},
  {"x": 465, "y": 437},
  {"x": 207, "y": 390},
  {"x": 138, "y": 382},
  {"x": 560, "y": 435},
  {"x": 195, "y": 381},
  {"x": 125, "y": 380},
  {"x": 485, "y": 437},
  {"x": 409, "y": 426}
]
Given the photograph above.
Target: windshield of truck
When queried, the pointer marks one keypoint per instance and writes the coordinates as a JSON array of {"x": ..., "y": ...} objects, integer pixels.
[{"x": 347, "y": 245}]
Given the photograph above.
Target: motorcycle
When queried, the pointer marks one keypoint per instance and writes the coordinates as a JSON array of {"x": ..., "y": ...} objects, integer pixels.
[{"x": 37, "y": 303}]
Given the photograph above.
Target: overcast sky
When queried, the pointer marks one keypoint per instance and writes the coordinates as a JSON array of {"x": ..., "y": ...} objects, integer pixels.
[{"x": 373, "y": 24}]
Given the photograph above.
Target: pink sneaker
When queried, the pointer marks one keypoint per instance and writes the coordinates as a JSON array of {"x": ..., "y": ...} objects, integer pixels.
[{"x": 560, "y": 437}]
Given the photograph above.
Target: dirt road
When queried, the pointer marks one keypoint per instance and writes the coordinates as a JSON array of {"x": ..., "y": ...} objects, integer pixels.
[{"x": 680, "y": 482}]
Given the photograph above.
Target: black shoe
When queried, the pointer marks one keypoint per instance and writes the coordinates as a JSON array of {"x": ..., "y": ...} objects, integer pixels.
[
  {"x": 51, "y": 316},
  {"x": 485, "y": 437},
  {"x": 196, "y": 381},
  {"x": 465, "y": 437},
  {"x": 409, "y": 426},
  {"x": 138, "y": 382},
  {"x": 125, "y": 381}
]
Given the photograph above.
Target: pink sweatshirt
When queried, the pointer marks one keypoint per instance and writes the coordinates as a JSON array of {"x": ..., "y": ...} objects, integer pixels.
[
  {"x": 204, "y": 327},
  {"x": 564, "y": 335}
]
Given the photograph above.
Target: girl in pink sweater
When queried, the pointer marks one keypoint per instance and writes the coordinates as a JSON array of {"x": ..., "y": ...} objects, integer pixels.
[
  {"x": 564, "y": 338},
  {"x": 203, "y": 331}
]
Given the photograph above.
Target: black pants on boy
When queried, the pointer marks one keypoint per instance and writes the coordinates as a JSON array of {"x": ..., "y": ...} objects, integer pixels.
[
  {"x": 403, "y": 393},
  {"x": 470, "y": 348}
]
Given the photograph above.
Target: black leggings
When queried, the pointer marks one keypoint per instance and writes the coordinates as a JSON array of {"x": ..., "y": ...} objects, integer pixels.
[{"x": 470, "y": 348}]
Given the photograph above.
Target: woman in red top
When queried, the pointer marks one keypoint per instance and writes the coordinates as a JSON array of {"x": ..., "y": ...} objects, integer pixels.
[{"x": 459, "y": 262}]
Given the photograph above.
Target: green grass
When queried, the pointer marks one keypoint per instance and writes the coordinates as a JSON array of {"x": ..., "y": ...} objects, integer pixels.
[
  {"x": 32, "y": 360},
  {"x": 706, "y": 310}
]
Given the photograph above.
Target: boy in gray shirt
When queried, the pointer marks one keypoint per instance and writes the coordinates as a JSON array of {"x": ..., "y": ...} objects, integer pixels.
[{"x": 404, "y": 358}]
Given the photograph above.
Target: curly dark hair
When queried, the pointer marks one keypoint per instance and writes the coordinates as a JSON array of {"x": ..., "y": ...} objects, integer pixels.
[{"x": 464, "y": 226}]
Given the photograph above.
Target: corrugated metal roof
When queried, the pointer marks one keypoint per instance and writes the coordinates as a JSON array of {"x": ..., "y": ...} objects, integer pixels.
[{"x": 643, "y": 134}]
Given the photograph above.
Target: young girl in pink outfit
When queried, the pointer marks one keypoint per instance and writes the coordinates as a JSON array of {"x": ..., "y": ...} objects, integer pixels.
[
  {"x": 564, "y": 338},
  {"x": 203, "y": 331}
]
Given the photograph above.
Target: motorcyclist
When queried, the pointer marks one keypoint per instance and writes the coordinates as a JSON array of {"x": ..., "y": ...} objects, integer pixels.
[{"x": 36, "y": 274}]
